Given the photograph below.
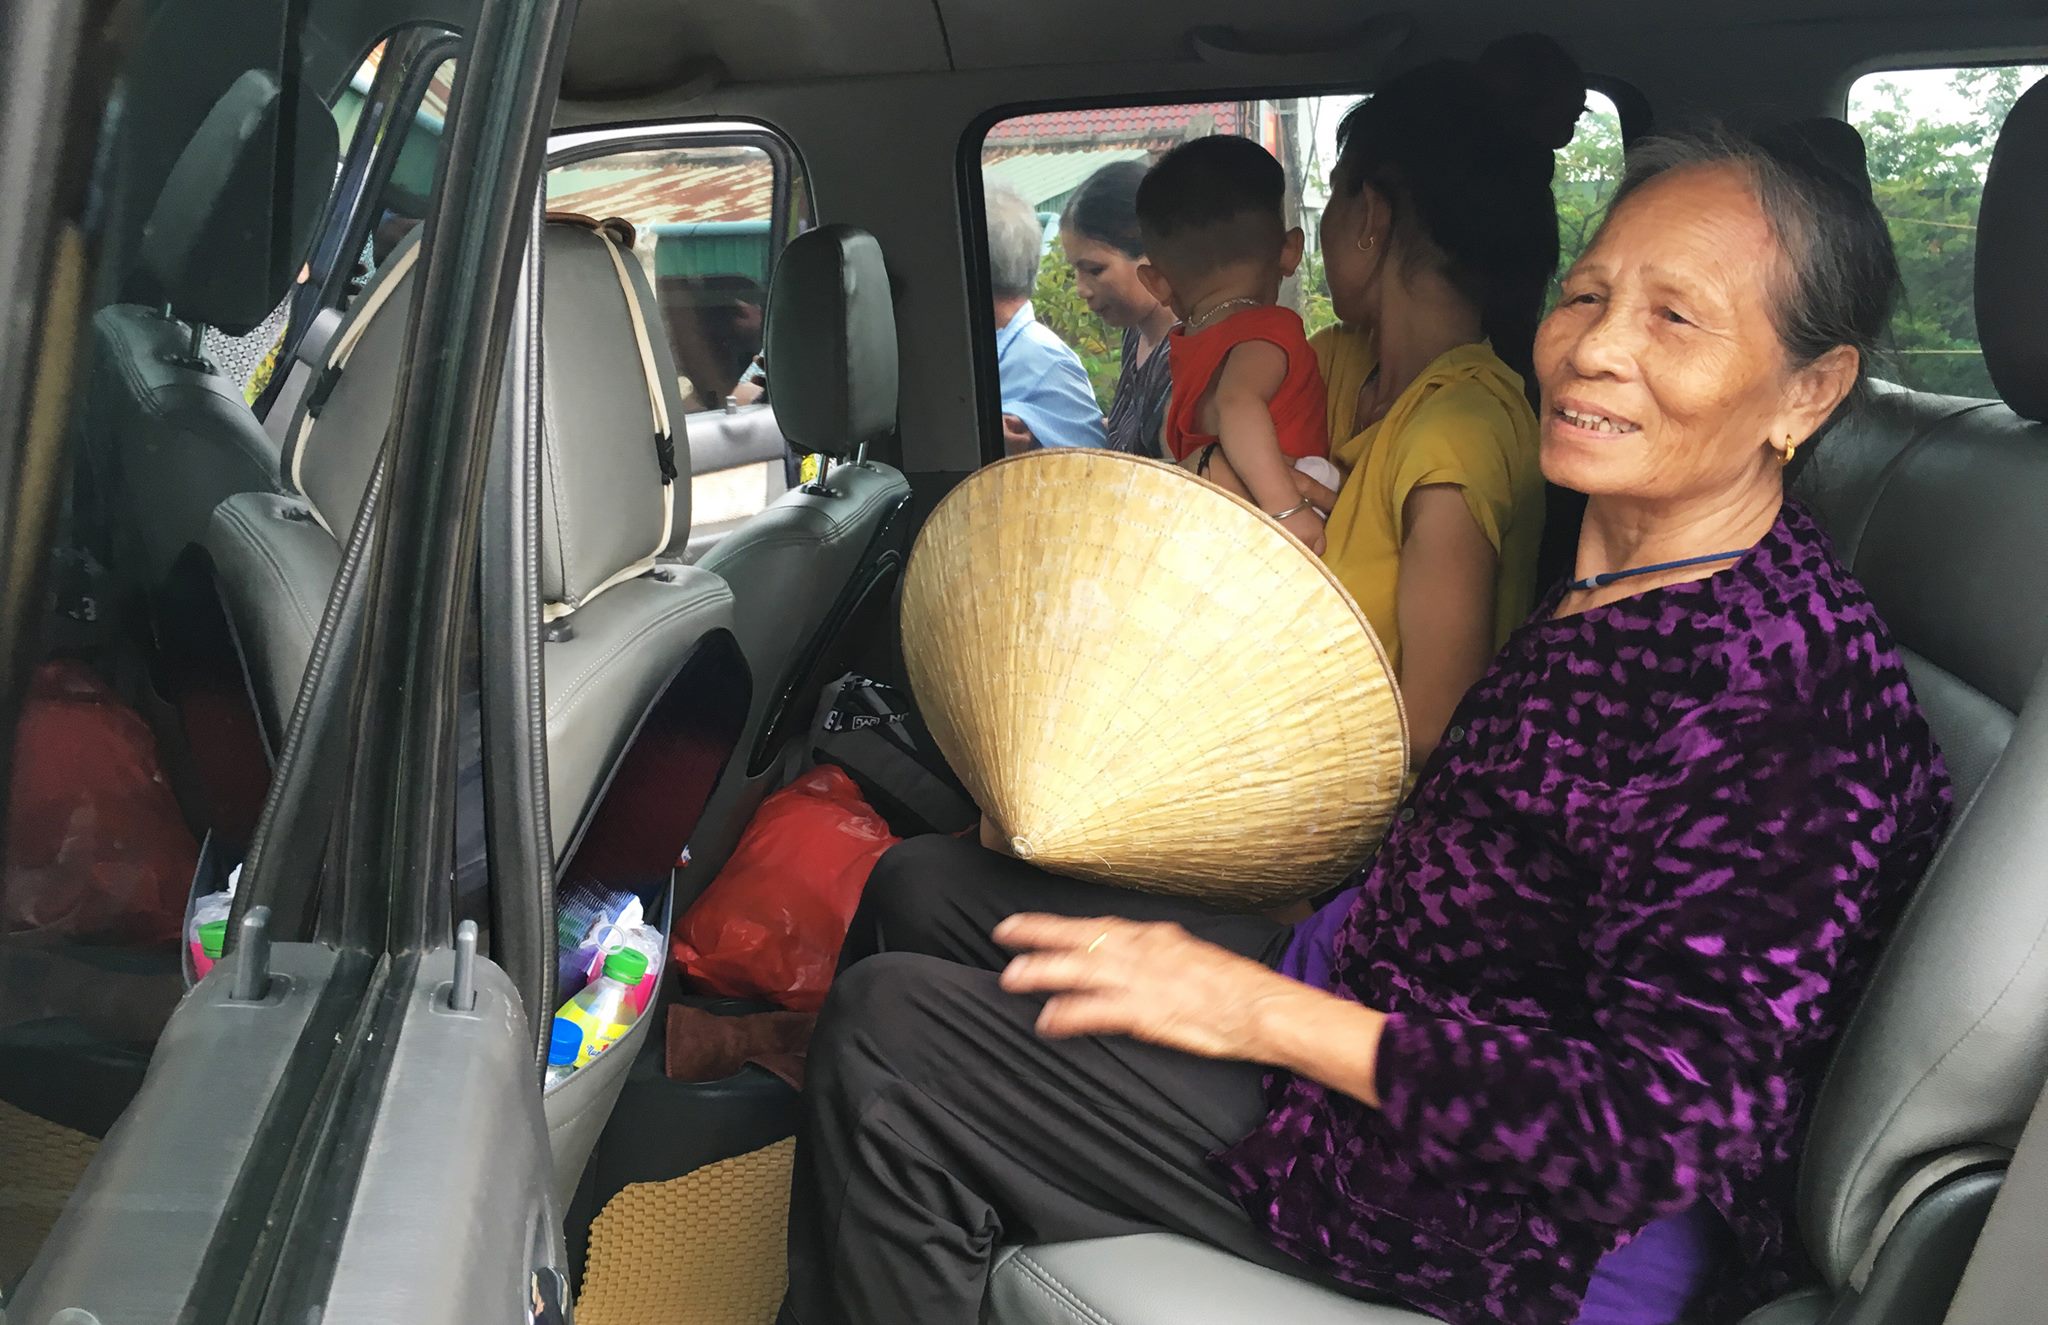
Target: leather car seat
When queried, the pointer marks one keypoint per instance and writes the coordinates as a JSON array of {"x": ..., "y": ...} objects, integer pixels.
[
  {"x": 818, "y": 567},
  {"x": 618, "y": 623},
  {"x": 166, "y": 435}
]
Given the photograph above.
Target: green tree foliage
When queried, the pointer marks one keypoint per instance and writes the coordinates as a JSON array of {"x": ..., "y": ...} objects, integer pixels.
[
  {"x": 1587, "y": 170},
  {"x": 1927, "y": 166},
  {"x": 1929, "y": 147}
]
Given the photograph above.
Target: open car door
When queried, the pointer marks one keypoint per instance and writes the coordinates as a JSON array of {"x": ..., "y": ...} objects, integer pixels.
[{"x": 341, "y": 1117}]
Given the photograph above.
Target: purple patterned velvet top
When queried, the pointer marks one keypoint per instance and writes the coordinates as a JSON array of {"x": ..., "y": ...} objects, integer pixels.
[{"x": 1617, "y": 927}]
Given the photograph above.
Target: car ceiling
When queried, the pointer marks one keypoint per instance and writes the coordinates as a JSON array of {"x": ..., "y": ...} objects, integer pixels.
[{"x": 626, "y": 46}]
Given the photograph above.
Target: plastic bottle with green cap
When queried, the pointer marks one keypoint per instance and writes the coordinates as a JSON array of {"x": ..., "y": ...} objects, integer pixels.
[
  {"x": 565, "y": 1043},
  {"x": 213, "y": 941},
  {"x": 603, "y": 1012}
]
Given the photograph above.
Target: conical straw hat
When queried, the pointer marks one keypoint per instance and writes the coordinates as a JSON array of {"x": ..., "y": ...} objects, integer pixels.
[{"x": 1145, "y": 681}]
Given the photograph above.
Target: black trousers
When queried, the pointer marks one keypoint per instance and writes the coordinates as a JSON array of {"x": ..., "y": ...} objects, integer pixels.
[{"x": 939, "y": 1127}]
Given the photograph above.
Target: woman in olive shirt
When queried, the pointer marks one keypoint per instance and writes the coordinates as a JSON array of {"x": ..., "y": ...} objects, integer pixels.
[{"x": 1439, "y": 241}]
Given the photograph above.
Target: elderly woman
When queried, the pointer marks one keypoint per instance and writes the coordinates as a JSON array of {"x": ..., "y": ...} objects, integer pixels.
[{"x": 1551, "y": 1058}]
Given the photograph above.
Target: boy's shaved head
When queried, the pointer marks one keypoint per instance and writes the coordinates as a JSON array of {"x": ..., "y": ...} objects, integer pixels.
[{"x": 1213, "y": 202}]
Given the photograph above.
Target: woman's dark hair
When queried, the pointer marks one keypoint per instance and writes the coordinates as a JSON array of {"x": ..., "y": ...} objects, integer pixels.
[
  {"x": 1469, "y": 189},
  {"x": 1105, "y": 207},
  {"x": 1841, "y": 274}
]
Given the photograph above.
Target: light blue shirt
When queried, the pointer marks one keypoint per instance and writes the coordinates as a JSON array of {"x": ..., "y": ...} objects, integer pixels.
[{"x": 1045, "y": 385}]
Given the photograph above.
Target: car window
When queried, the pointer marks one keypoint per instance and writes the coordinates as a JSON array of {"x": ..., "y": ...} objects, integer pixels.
[
  {"x": 1043, "y": 159},
  {"x": 1046, "y": 157},
  {"x": 1928, "y": 135},
  {"x": 1588, "y": 169},
  {"x": 709, "y": 218},
  {"x": 704, "y": 231}
]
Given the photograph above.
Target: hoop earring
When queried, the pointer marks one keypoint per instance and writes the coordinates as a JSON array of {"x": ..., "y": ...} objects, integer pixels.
[
  {"x": 1365, "y": 244},
  {"x": 1787, "y": 451}
]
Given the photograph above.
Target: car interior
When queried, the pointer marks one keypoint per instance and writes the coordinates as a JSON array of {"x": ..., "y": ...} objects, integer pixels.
[{"x": 693, "y": 557}]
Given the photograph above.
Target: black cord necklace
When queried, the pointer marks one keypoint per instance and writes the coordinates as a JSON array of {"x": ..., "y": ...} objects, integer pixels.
[{"x": 1601, "y": 581}]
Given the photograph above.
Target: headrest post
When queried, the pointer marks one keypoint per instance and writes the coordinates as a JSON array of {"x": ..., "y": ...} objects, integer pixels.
[
  {"x": 193, "y": 357},
  {"x": 816, "y": 487}
]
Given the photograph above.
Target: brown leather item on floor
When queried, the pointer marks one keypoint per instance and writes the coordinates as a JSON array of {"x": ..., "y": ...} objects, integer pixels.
[{"x": 703, "y": 1046}]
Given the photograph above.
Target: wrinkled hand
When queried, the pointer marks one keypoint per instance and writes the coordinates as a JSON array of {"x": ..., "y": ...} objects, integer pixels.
[
  {"x": 1318, "y": 495},
  {"x": 1152, "y": 982},
  {"x": 1308, "y": 527},
  {"x": 1017, "y": 436}
]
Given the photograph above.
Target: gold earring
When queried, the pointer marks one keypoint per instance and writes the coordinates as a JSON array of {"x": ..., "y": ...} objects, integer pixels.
[{"x": 1786, "y": 452}]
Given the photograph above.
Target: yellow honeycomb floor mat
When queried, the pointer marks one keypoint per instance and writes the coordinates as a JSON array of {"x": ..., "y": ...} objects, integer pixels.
[
  {"x": 707, "y": 1248},
  {"x": 40, "y": 1164}
]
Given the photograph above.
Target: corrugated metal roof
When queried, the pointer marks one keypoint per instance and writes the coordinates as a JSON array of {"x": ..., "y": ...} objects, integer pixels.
[
  {"x": 1149, "y": 123},
  {"x": 665, "y": 187},
  {"x": 1042, "y": 178}
]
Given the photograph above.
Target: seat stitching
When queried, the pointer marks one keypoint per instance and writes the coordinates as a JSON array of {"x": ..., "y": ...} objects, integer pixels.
[
  {"x": 1863, "y": 1161},
  {"x": 574, "y": 693},
  {"x": 1892, "y": 466},
  {"x": 1046, "y": 1282},
  {"x": 243, "y": 525}
]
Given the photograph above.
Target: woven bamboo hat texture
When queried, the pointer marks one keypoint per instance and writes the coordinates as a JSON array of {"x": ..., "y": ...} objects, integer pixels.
[{"x": 1145, "y": 681}]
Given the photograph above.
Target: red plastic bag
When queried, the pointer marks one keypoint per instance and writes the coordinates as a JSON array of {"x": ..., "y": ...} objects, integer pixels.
[
  {"x": 772, "y": 923},
  {"x": 96, "y": 848}
]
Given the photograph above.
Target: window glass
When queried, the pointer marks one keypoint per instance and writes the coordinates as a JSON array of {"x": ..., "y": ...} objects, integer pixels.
[
  {"x": 1587, "y": 170},
  {"x": 708, "y": 220},
  {"x": 1045, "y": 158},
  {"x": 1928, "y": 135},
  {"x": 703, "y": 220}
]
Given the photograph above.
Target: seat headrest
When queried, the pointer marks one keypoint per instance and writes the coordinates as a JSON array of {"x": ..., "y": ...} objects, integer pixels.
[
  {"x": 2012, "y": 262},
  {"x": 832, "y": 342},
  {"x": 1835, "y": 144},
  {"x": 210, "y": 246}
]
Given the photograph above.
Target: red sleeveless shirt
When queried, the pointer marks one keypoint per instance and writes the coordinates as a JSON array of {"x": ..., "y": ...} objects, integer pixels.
[{"x": 1300, "y": 413}]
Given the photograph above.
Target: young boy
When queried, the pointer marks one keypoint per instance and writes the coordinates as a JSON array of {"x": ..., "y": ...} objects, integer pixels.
[{"x": 1244, "y": 378}]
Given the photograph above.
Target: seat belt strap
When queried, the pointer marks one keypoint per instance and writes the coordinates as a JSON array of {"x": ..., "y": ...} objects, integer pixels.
[
  {"x": 657, "y": 404},
  {"x": 345, "y": 343}
]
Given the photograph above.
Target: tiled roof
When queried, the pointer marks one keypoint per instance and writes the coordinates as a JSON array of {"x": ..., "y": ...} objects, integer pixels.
[{"x": 1150, "y": 125}]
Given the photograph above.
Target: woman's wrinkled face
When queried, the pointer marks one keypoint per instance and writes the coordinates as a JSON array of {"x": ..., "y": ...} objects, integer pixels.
[
  {"x": 1107, "y": 278},
  {"x": 1663, "y": 375}
]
